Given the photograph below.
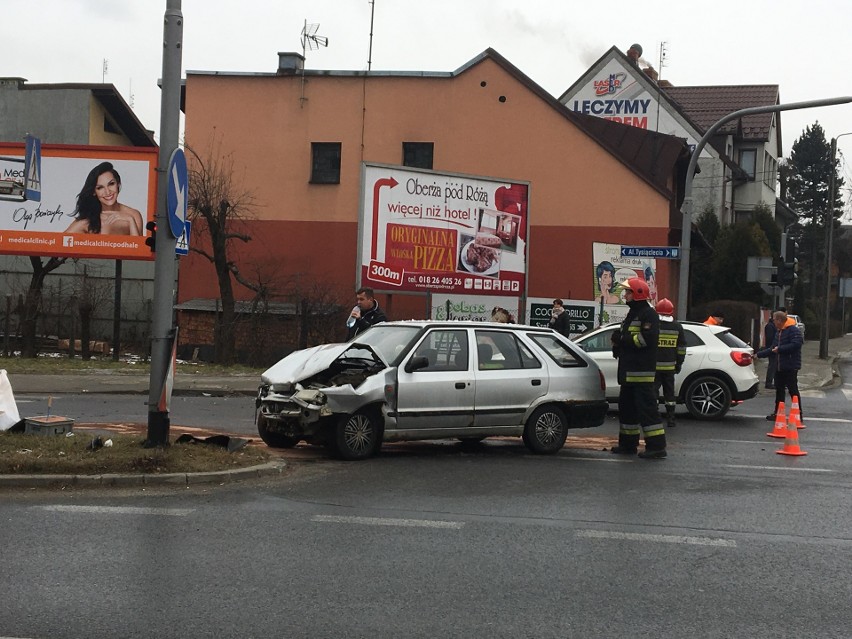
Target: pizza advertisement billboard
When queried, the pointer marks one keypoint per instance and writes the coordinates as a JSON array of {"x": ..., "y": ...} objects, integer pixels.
[
  {"x": 422, "y": 231},
  {"x": 95, "y": 203}
]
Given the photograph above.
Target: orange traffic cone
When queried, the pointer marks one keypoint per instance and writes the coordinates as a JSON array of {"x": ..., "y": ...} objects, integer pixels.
[
  {"x": 795, "y": 413},
  {"x": 780, "y": 429},
  {"x": 791, "y": 442}
]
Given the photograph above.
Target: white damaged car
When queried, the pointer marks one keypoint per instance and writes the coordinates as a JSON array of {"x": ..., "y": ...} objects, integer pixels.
[{"x": 432, "y": 380}]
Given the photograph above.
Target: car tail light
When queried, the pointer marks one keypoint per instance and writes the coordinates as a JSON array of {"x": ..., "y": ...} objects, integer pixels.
[
  {"x": 603, "y": 380},
  {"x": 741, "y": 358},
  {"x": 390, "y": 395}
]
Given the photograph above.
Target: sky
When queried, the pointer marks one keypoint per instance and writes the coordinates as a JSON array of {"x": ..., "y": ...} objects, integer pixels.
[{"x": 801, "y": 46}]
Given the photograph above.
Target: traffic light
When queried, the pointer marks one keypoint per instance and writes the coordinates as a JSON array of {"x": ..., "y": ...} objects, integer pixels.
[
  {"x": 151, "y": 240},
  {"x": 791, "y": 263},
  {"x": 785, "y": 275}
]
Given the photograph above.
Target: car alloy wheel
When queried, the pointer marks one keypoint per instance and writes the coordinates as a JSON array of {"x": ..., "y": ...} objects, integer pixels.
[
  {"x": 546, "y": 430},
  {"x": 707, "y": 398},
  {"x": 357, "y": 436}
]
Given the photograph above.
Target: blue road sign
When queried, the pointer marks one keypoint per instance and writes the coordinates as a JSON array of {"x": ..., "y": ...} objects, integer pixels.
[
  {"x": 178, "y": 192},
  {"x": 659, "y": 252},
  {"x": 182, "y": 244},
  {"x": 32, "y": 169}
]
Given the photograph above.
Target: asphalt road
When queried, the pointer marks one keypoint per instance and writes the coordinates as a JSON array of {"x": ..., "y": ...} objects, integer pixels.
[{"x": 725, "y": 538}]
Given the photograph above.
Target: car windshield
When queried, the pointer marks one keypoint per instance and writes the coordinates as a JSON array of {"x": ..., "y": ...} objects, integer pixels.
[{"x": 388, "y": 341}]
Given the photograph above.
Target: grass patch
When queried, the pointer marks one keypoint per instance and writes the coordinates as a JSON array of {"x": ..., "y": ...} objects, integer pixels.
[
  {"x": 58, "y": 455},
  {"x": 58, "y": 363}
]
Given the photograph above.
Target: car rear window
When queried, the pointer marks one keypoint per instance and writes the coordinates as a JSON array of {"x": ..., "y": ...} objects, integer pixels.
[
  {"x": 558, "y": 352},
  {"x": 729, "y": 339}
]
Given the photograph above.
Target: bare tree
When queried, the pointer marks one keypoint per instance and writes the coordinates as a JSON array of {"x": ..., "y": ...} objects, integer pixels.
[
  {"x": 218, "y": 206},
  {"x": 32, "y": 304}
]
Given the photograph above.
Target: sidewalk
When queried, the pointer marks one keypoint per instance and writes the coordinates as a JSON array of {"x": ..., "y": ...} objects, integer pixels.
[
  {"x": 815, "y": 373},
  {"x": 122, "y": 383}
]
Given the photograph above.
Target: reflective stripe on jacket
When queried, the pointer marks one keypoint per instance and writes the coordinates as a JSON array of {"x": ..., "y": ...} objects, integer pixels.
[
  {"x": 639, "y": 333},
  {"x": 671, "y": 346}
]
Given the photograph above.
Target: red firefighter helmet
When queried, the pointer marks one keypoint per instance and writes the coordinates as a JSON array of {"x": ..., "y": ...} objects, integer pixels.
[
  {"x": 639, "y": 288},
  {"x": 665, "y": 306}
]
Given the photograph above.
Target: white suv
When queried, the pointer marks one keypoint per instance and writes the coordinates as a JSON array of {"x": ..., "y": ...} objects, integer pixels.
[
  {"x": 799, "y": 323},
  {"x": 717, "y": 371}
]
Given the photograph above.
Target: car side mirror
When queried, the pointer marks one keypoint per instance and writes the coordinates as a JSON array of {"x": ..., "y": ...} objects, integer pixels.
[{"x": 417, "y": 363}]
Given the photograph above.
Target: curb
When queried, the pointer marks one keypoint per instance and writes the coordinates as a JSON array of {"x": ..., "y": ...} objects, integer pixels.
[{"x": 163, "y": 479}]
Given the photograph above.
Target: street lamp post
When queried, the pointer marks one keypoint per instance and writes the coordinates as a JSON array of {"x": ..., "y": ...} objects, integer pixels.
[
  {"x": 829, "y": 238},
  {"x": 686, "y": 208}
]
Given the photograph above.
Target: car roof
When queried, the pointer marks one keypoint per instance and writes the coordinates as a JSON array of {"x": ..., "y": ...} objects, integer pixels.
[{"x": 466, "y": 324}]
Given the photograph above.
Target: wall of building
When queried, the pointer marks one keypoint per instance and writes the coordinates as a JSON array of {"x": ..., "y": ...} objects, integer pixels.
[
  {"x": 52, "y": 115},
  {"x": 579, "y": 192}
]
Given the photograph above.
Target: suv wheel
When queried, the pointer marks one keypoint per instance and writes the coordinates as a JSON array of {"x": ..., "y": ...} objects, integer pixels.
[
  {"x": 356, "y": 436},
  {"x": 707, "y": 398},
  {"x": 546, "y": 430},
  {"x": 270, "y": 437}
]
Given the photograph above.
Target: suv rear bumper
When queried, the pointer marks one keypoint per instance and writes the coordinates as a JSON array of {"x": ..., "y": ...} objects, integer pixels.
[{"x": 747, "y": 394}]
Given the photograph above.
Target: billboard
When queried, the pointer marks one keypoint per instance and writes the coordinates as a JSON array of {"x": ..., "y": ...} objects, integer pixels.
[
  {"x": 424, "y": 231},
  {"x": 609, "y": 269},
  {"x": 116, "y": 203}
]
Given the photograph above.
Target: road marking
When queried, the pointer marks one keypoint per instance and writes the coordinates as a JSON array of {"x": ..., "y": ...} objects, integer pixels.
[
  {"x": 847, "y": 392},
  {"x": 119, "y": 510},
  {"x": 666, "y": 539},
  {"x": 801, "y": 470},
  {"x": 813, "y": 394},
  {"x": 836, "y": 420},
  {"x": 384, "y": 521},
  {"x": 594, "y": 459}
]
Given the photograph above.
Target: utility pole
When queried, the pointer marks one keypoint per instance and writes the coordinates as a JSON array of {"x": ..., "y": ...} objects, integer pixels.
[
  {"x": 829, "y": 239},
  {"x": 162, "y": 329},
  {"x": 687, "y": 206}
]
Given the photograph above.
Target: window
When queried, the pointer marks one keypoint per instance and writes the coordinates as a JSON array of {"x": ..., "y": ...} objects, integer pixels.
[
  {"x": 109, "y": 127},
  {"x": 748, "y": 158},
  {"x": 600, "y": 343},
  {"x": 561, "y": 354},
  {"x": 500, "y": 350},
  {"x": 446, "y": 350},
  {"x": 770, "y": 170},
  {"x": 325, "y": 162},
  {"x": 418, "y": 154}
]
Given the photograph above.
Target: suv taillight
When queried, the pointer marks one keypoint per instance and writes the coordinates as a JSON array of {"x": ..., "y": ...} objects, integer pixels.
[
  {"x": 603, "y": 381},
  {"x": 741, "y": 358}
]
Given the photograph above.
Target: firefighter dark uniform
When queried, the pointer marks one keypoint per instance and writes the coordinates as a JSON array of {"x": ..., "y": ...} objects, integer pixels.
[
  {"x": 671, "y": 351},
  {"x": 635, "y": 346}
]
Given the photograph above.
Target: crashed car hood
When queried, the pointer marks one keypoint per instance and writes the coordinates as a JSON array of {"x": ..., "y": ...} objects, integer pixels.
[{"x": 302, "y": 364}]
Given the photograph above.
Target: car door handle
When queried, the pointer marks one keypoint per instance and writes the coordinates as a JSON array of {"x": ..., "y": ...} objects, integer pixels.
[
  {"x": 536, "y": 382},
  {"x": 460, "y": 385}
]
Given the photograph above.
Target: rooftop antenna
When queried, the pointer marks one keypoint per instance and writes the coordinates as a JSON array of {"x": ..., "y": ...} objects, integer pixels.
[
  {"x": 660, "y": 79},
  {"x": 131, "y": 93},
  {"x": 370, "y": 52},
  {"x": 310, "y": 42},
  {"x": 104, "y": 71}
]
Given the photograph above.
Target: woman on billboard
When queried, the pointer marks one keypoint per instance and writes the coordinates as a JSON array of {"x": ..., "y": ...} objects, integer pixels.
[{"x": 98, "y": 209}]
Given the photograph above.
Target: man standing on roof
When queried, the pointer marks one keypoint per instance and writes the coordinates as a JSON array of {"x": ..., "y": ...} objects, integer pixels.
[
  {"x": 671, "y": 351},
  {"x": 788, "y": 347},
  {"x": 635, "y": 346},
  {"x": 717, "y": 318}
]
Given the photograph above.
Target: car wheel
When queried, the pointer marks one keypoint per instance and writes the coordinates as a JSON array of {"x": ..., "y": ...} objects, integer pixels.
[
  {"x": 546, "y": 430},
  {"x": 356, "y": 436},
  {"x": 707, "y": 398},
  {"x": 272, "y": 438}
]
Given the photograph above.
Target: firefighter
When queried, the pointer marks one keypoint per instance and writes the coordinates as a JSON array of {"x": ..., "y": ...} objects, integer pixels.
[
  {"x": 671, "y": 351},
  {"x": 635, "y": 346}
]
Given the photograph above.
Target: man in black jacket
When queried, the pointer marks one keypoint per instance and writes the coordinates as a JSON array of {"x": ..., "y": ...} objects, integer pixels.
[
  {"x": 635, "y": 346},
  {"x": 365, "y": 314},
  {"x": 671, "y": 351}
]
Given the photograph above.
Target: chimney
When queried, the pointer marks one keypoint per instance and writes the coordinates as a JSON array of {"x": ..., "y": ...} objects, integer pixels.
[
  {"x": 651, "y": 73},
  {"x": 290, "y": 62}
]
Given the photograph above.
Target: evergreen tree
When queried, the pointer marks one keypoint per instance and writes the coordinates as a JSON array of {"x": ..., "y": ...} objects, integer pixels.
[{"x": 807, "y": 183}]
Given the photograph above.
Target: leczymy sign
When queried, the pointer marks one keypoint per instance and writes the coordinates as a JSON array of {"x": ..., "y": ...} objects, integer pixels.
[
  {"x": 67, "y": 174},
  {"x": 423, "y": 231}
]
